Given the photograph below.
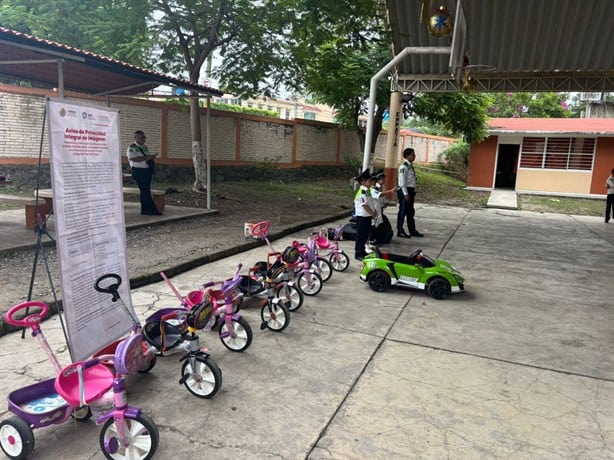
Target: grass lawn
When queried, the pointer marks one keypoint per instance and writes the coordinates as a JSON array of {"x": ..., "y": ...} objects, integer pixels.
[{"x": 433, "y": 187}]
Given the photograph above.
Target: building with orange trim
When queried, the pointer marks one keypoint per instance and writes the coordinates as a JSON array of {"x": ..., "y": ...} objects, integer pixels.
[{"x": 551, "y": 156}]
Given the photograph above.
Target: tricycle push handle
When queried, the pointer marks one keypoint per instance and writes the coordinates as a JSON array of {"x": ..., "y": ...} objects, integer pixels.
[
  {"x": 31, "y": 320},
  {"x": 112, "y": 288}
]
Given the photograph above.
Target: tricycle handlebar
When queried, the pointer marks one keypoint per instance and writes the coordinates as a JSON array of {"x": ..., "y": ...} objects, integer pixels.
[{"x": 32, "y": 320}]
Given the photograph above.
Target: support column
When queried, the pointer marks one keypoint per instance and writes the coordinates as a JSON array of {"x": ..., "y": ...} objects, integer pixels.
[{"x": 392, "y": 143}]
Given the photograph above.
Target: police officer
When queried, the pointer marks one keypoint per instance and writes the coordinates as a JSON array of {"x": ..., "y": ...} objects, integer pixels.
[
  {"x": 364, "y": 212},
  {"x": 406, "y": 194},
  {"x": 142, "y": 166}
]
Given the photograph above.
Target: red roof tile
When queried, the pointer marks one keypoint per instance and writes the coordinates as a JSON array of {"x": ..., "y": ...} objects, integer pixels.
[
  {"x": 604, "y": 126},
  {"x": 83, "y": 71}
]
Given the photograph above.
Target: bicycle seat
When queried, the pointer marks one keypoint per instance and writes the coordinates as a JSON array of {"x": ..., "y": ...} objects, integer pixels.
[
  {"x": 195, "y": 298},
  {"x": 159, "y": 332},
  {"x": 322, "y": 242},
  {"x": 97, "y": 380}
]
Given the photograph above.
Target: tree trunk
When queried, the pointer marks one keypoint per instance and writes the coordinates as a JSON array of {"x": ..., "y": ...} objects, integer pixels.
[
  {"x": 360, "y": 132},
  {"x": 377, "y": 120},
  {"x": 198, "y": 157}
]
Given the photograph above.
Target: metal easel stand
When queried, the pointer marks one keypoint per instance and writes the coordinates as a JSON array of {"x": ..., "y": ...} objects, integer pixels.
[{"x": 40, "y": 228}]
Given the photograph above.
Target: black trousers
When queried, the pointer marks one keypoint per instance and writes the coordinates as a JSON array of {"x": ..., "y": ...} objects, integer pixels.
[
  {"x": 406, "y": 210},
  {"x": 142, "y": 176},
  {"x": 609, "y": 207},
  {"x": 363, "y": 229}
]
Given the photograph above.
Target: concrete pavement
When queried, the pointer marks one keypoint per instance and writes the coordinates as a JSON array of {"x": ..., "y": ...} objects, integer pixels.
[
  {"x": 518, "y": 366},
  {"x": 502, "y": 199}
]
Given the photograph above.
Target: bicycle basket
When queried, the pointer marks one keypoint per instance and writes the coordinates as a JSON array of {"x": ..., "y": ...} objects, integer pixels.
[{"x": 200, "y": 314}]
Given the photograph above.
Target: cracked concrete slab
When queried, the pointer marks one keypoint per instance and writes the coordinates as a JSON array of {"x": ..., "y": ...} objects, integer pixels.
[{"x": 519, "y": 366}]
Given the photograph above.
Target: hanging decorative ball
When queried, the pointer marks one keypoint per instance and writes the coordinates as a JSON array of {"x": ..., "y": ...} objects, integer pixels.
[{"x": 440, "y": 23}]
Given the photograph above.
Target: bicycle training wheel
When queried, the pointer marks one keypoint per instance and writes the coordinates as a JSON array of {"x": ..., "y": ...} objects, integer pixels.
[
  {"x": 142, "y": 434},
  {"x": 239, "y": 338},
  {"x": 275, "y": 316},
  {"x": 290, "y": 296},
  {"x": 203, "y": 378},
  {"x": 309, "y": 283},
  {"x": 339, "y": 261}
]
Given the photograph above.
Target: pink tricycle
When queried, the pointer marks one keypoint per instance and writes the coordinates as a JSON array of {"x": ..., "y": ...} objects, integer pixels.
[
  {"x": 327, "y": 242},
  {"x": 301, "y": 274},
  {"x": 79, "y": 387},
  {"x": 234, "y": 331}
]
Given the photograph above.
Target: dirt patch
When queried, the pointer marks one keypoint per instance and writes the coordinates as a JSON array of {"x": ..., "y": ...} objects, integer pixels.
[{"x": 181, "y": 245}]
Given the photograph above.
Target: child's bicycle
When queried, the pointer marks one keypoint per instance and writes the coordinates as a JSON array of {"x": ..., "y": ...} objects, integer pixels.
[
  {"x": 303, "y": 276},
  {"x": 284, "y": 287},
  {"x": 305, "y": 269},
  {"x": 172, "y": 330},
  {"x": 328, "y": 240},
  {"x": 126, "y": 433},
  {"x": 234, "y": 331},
  {"x": 309, "y": 252},
  {"x": 274, "y": 313}
]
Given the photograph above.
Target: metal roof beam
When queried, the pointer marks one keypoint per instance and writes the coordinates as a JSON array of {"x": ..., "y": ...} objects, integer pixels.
[
  {"x": 512, "y": 84},
  {"x": 41, "y": 50}
]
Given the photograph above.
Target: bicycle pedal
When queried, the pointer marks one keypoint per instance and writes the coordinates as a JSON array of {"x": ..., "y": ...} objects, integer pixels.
[
  {"x": 183, "y": 379},
  {"x": 262, "y": 326}
]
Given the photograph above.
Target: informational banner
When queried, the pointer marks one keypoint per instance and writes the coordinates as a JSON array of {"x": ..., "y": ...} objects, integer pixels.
[{"x": 86, "y": 180}]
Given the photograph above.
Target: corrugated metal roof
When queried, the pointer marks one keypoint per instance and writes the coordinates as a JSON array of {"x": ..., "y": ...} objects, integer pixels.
[
  {"x": 585, "y": 126},
  {"x": 510, "y": 45},
  {"x": 30, "y": 58}
]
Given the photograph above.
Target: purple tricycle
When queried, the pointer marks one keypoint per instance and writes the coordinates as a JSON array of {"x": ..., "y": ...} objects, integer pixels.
[{"x": 77, "y": 389}]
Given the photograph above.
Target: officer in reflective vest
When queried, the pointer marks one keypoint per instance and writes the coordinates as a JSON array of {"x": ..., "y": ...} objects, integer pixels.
[{"x": 364, "y": 212}]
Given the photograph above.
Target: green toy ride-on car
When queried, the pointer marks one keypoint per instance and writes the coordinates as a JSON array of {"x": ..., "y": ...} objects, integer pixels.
[{"x": 438, "y": 277}]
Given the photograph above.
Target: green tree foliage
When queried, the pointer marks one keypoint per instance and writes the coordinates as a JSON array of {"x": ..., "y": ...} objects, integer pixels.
[
  {"x": 116, "y": 29},
  {"x": 529, "y": 105},
  {"x": 340, "y": 77},
  {"x": 460, "y": 113},
  {"x": 226, "y": 107},
  {"x": 337, "y": 47},
  {"x": 187, "y": 32},
  {"x": 457, "y": 156}
]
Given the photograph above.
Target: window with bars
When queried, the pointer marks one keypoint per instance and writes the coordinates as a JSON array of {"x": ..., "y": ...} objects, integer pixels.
[{"x": 566, "y": 153}]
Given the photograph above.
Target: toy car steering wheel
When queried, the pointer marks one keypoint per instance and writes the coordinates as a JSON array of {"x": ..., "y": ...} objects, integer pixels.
[
  {"x": 32, "y": 320},
  {"x": 261, "y": 228},
  {"x": 111, "y": 288}
]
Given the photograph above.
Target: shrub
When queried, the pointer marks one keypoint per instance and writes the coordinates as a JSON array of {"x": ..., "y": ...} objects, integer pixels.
[{"x": 457, "y": 156}]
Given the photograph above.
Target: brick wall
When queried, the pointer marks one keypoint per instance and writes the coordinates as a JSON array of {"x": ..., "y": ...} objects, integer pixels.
[{"x": 236, "y": 139}]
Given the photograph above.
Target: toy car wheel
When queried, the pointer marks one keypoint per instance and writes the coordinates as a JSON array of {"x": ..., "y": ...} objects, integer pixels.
[
  {"x": 438, "y": 288},
  {"x": 16, "y": 438},
  {"x": 379, "y": 280}
]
